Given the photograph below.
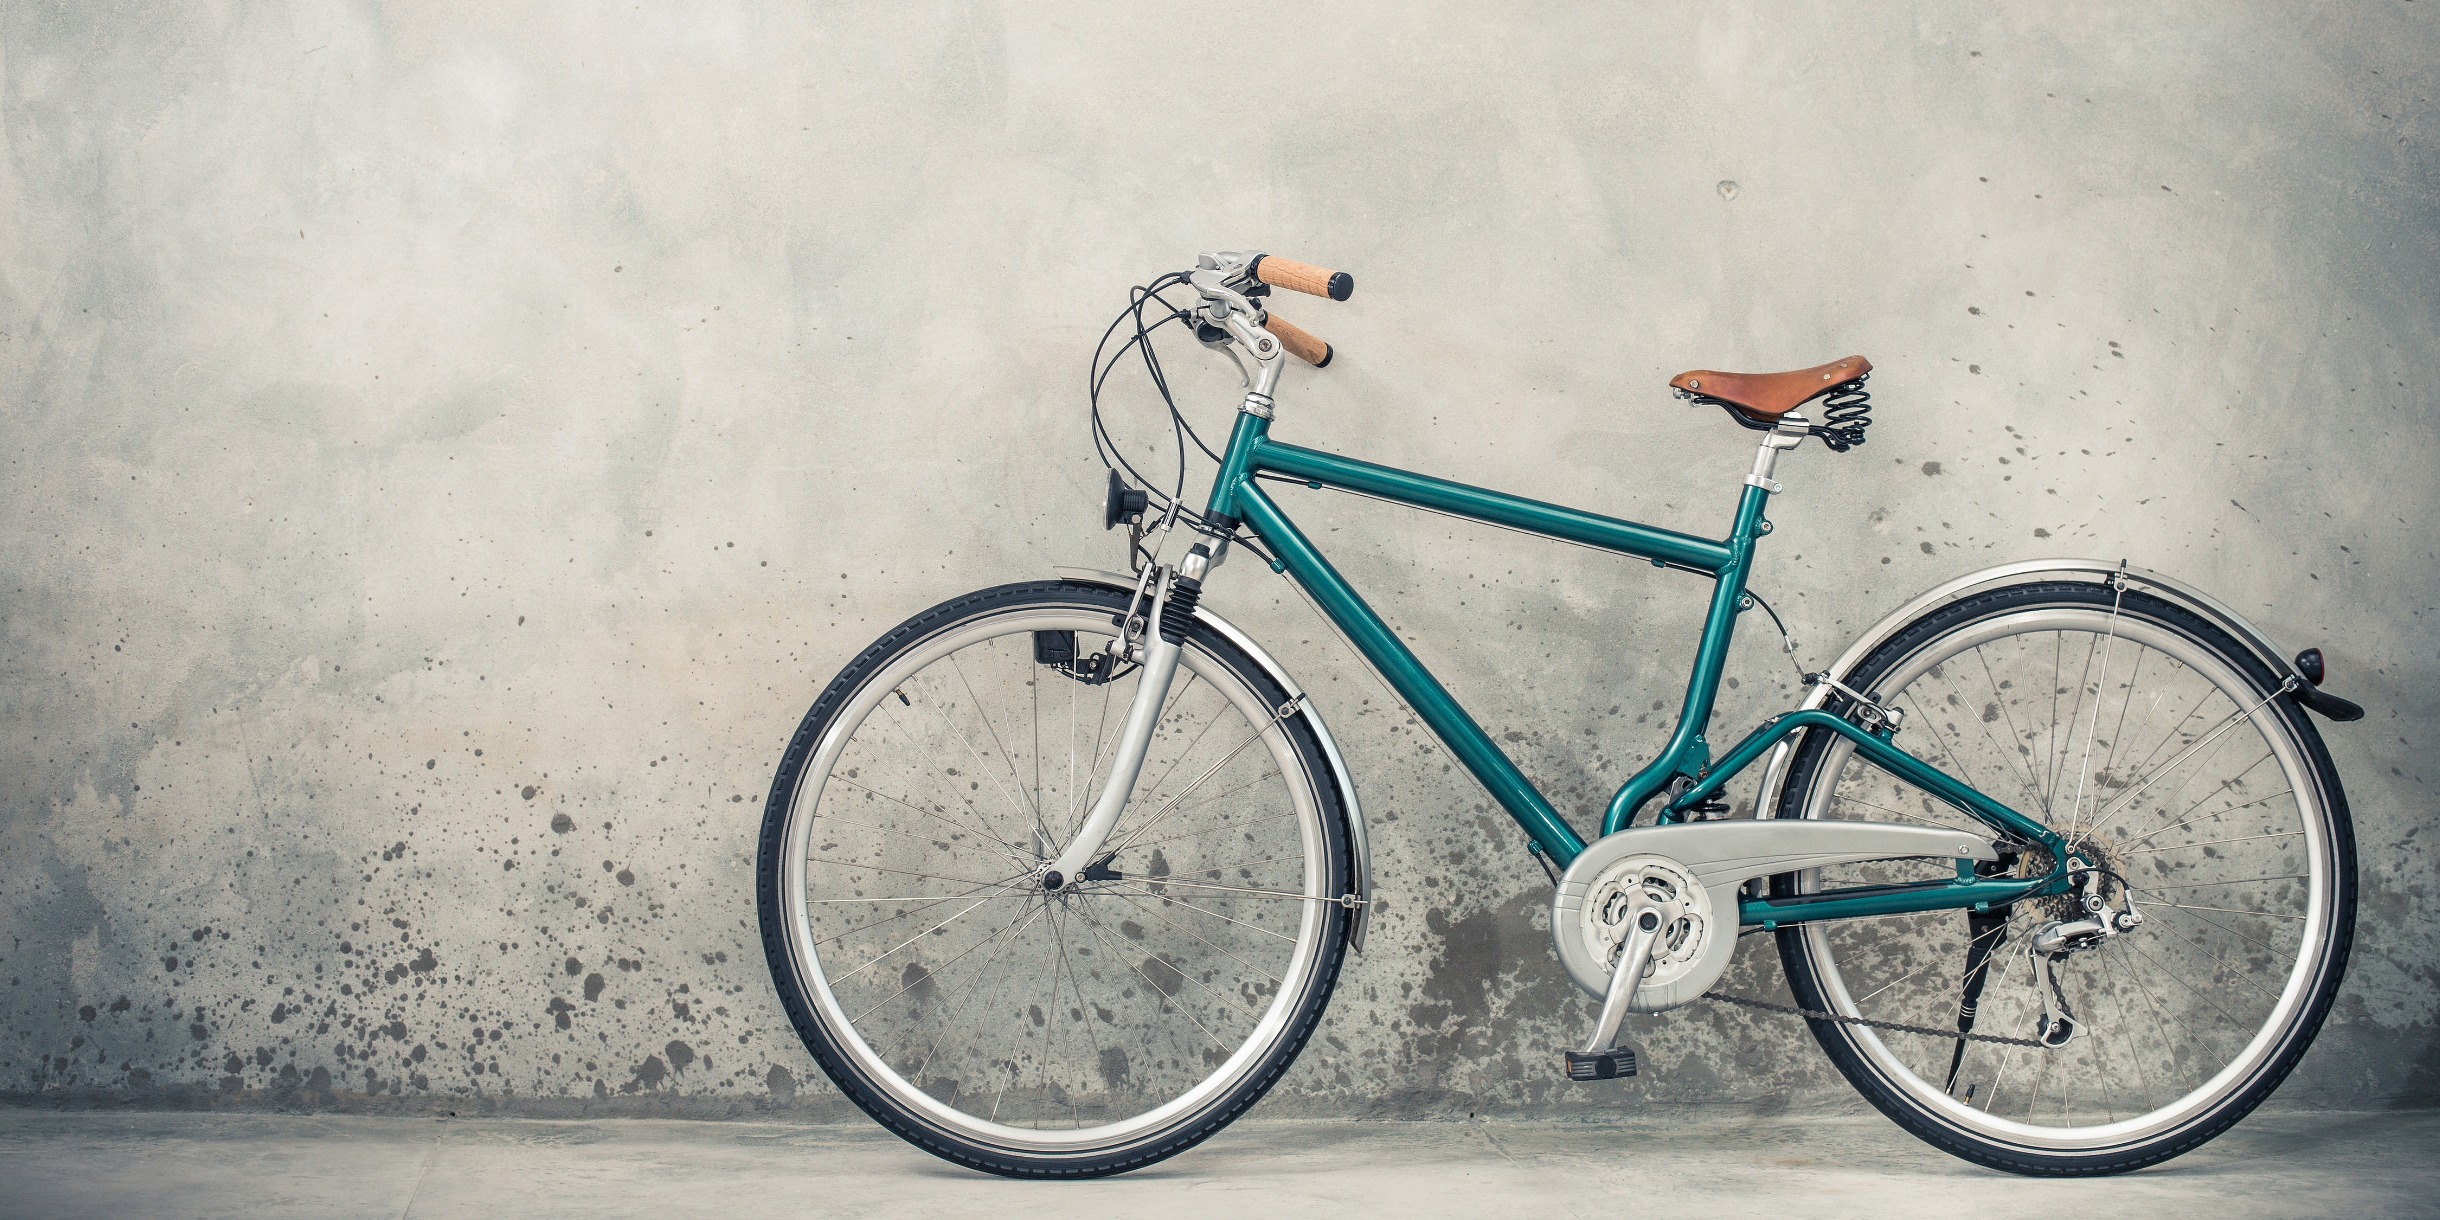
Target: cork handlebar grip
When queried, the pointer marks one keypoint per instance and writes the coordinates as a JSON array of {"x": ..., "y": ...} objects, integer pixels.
[
  {"x": 1304, "y": 277},
  {"x": 1299, "y": 342}
]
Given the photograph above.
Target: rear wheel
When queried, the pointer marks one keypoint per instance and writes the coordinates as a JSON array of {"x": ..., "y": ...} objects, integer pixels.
[
  {"x": 2160, "y": 749},
  {"x": 1091, "y": 1030}
]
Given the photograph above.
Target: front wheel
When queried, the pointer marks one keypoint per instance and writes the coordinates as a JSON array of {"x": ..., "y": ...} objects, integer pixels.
[
  {"x": 1090, "y": 1030},
  {"x": 2162, "y": 752}
]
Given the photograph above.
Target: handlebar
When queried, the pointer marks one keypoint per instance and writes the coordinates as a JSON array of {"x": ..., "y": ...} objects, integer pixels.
[
  {"x": 1303, "y": 277},
  {"x": 1299, "y": 342},
  {"x": 1230, "y": 284}
]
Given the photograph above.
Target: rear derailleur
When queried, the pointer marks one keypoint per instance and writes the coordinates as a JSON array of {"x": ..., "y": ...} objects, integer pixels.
[{"x": 2061, "y": 937}]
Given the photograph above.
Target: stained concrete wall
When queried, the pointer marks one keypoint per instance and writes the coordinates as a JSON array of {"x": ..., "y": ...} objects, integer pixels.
[{"x": 448, "y": 445}]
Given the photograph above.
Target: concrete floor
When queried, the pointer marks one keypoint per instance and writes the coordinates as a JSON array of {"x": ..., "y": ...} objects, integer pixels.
[{"x": 162, "y": 1164}]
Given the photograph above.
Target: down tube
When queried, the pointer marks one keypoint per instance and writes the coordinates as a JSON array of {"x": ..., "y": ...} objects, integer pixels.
[{"x": 1408, "y": 677}]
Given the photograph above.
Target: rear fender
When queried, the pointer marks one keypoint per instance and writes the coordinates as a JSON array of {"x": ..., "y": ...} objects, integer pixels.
[{"x": 2095, "y": 571}]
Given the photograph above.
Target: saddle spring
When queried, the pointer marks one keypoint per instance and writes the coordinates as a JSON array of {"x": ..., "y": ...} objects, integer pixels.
[{"x": 1846, "y": 412}]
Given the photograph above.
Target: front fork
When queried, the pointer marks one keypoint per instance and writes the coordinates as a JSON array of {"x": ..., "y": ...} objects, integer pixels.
[
  {"x": 1162, "y": 635},
  {"x": 1174, "y": 593}
]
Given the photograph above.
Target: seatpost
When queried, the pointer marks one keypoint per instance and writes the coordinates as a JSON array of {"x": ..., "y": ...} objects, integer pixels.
[{"x": 1790, "y": 432}]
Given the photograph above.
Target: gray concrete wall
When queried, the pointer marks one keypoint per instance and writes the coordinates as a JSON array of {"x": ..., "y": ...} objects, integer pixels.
[{"x": 447, "y": 447}]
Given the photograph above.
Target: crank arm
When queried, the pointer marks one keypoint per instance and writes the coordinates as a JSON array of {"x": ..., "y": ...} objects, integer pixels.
[{"x": 1631, "y": 964}]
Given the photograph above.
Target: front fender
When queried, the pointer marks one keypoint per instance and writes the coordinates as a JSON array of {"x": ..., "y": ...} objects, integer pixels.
[{"x": 1359, "y": 847}]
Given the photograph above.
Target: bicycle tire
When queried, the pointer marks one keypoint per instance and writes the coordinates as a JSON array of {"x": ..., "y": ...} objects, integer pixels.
[
  {"x": 837, "y": 1051},
  {"x": 1878, "y": 1072}
]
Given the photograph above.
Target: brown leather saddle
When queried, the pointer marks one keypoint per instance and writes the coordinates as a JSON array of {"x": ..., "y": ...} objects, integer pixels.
[{"x": 1757, "y": 400}]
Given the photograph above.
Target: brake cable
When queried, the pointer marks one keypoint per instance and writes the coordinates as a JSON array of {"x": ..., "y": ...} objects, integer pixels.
[{"x": 1105, "y": 446}]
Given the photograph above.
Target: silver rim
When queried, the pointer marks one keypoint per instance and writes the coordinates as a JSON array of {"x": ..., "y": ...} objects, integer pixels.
[
  {"x": 2150, "y": 751},
  {"x": 1052, "y": 1025}
]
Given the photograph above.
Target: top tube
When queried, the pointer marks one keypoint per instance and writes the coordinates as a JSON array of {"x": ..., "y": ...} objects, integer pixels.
[{"x": 1251, "y": 452}]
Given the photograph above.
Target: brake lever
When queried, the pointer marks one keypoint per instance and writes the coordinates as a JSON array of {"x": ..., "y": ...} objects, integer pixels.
[
  {"x": 1222, "y": 279},
  {"x": 1221, "y": 341}
]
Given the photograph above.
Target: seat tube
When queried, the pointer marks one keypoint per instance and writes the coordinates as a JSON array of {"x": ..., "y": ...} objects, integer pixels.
[{"x": 1687, "y": 752}]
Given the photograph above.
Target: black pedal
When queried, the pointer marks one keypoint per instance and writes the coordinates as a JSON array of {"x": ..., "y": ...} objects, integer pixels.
[{"x": 1616, "y": 1063}]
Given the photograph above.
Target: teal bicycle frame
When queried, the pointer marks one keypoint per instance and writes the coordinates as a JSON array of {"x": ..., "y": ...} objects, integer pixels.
[{"x": 1236, "y": 496}]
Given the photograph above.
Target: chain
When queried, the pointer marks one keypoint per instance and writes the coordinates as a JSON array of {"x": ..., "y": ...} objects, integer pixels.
[
  {"x": 1900, "y": 1027},
  {"x": 2061, "y": 996}
]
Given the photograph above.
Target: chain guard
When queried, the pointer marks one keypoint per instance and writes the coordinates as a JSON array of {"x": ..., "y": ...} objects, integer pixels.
[{"x": 1700, "y": 867}]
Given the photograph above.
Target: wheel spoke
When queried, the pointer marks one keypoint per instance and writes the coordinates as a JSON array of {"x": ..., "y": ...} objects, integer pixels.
[
  {"x": 1202, "y": 910},
  {"x": 2110, "y": 761},
  {"x": 996, "y": 744},
  {"x": 1286, "y": 895},
  {"x": 2228, "y": 910},
  {"x": 2196, "y": 885},
  {"x": 2053, "y": 759},
  {"x": 1164, "y": 992},
  {"x": 1155, "y": 912},
  {"x": 2075, "y": 808},
  {"x": 2200, "y": 994},
  {"x": 975, "y": 753},
  {"x": 1172, "y": 803},
  {"x": 2276, "y": 834},
  {"x": 1976, "y": 829},
  {"x": 900, "y": 871},
  {"x": 928, "y": 903},
  {"x": 1948, "y": 751},
  {"x": 1209, "y": 798},
  {"x": 965, "y": 996},
  {"x": 1177, "y": 700},
  {"x": 2022, "y": 765},
  {"x": 1213, "y": 830},
  {"x": 1226, "y": 1000},
  {"x": 2220, "y": 964},
  {"x": 892, "y": 951},
  {"x": 2188, "y": 912},
  {"x": 1005, "y": 845},
  {"x": 2213, "y": 814},
  {"x": 2218, "y": 731},
  {"x": 929, "y": 974}
]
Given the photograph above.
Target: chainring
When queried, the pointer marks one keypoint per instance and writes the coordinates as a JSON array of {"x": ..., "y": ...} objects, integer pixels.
[{"x": 1689, "y": 923}]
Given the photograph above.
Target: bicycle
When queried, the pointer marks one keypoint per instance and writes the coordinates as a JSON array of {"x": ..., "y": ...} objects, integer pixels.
[{"x": 1056, "y": 878}]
